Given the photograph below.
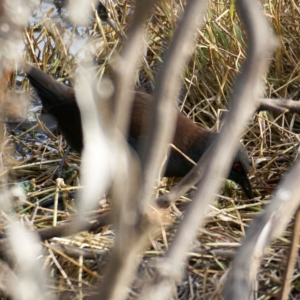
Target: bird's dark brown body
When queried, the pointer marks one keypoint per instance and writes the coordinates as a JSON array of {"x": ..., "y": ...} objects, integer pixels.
[{"x": 59, "y": 100}]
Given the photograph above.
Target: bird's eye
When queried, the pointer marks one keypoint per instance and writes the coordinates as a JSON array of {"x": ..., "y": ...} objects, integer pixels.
[{"x": 237, "y": 167}]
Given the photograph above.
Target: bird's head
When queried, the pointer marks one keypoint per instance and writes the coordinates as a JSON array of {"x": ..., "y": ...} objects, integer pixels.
[{"x": 239, "y": 171}]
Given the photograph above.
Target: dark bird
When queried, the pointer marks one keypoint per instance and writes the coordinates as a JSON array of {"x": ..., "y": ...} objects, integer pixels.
[{"x": 59, "y": 101}]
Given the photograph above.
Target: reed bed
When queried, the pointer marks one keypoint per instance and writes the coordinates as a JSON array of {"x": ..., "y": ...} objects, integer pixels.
[{"x": 32, "y": 157}]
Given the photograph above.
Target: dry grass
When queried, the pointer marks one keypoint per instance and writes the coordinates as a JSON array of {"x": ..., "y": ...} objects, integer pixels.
[{"x": 271, "y": 140}]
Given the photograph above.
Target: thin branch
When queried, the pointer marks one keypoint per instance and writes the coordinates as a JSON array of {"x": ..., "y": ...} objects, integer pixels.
[
  {"x": 241, "y": 279},
  {"x": 163, "y": 112},
  {"x": 279, "y": 105},
  {"x": 292, "y": 258},
  {"x": 126, "y": 63},
  {"x": 216, "y": 162},
  {"x": 130, "y": 239},
  {"x": 132, "y": 228}
]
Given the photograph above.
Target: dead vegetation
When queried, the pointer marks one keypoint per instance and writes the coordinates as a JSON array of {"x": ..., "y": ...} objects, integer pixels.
[{"x": 31, "y": 160}]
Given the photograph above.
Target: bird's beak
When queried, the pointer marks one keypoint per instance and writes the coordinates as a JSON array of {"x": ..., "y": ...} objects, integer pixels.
[
  {"x": 244, "y": 182},
  {"x": 241, "y": 178}
]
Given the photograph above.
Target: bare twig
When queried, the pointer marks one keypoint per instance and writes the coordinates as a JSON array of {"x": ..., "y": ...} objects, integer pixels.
[
  {"x": 126, "y": 64},
  {"x": 291, "y": 259},
  {"x": 162, "y": 115},
  {"x": 69, "y": 228},
  {"x": 241, "y": 279},
  {"x": 132, "y": 232},
  {"x": 279, "y": 105},
  {"x": 248, "y": 88},
  {"x": 130, "y": 239}
]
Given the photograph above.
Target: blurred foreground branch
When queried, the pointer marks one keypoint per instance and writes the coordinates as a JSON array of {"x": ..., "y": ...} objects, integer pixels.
[
  {"x": 215, "y": 163},
  {"x": 241, "y": 279},
  {"x": 279, "y": 105}
]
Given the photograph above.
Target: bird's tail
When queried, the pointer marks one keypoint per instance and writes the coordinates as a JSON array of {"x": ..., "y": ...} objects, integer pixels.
[{"x": 51, "y": 92}]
